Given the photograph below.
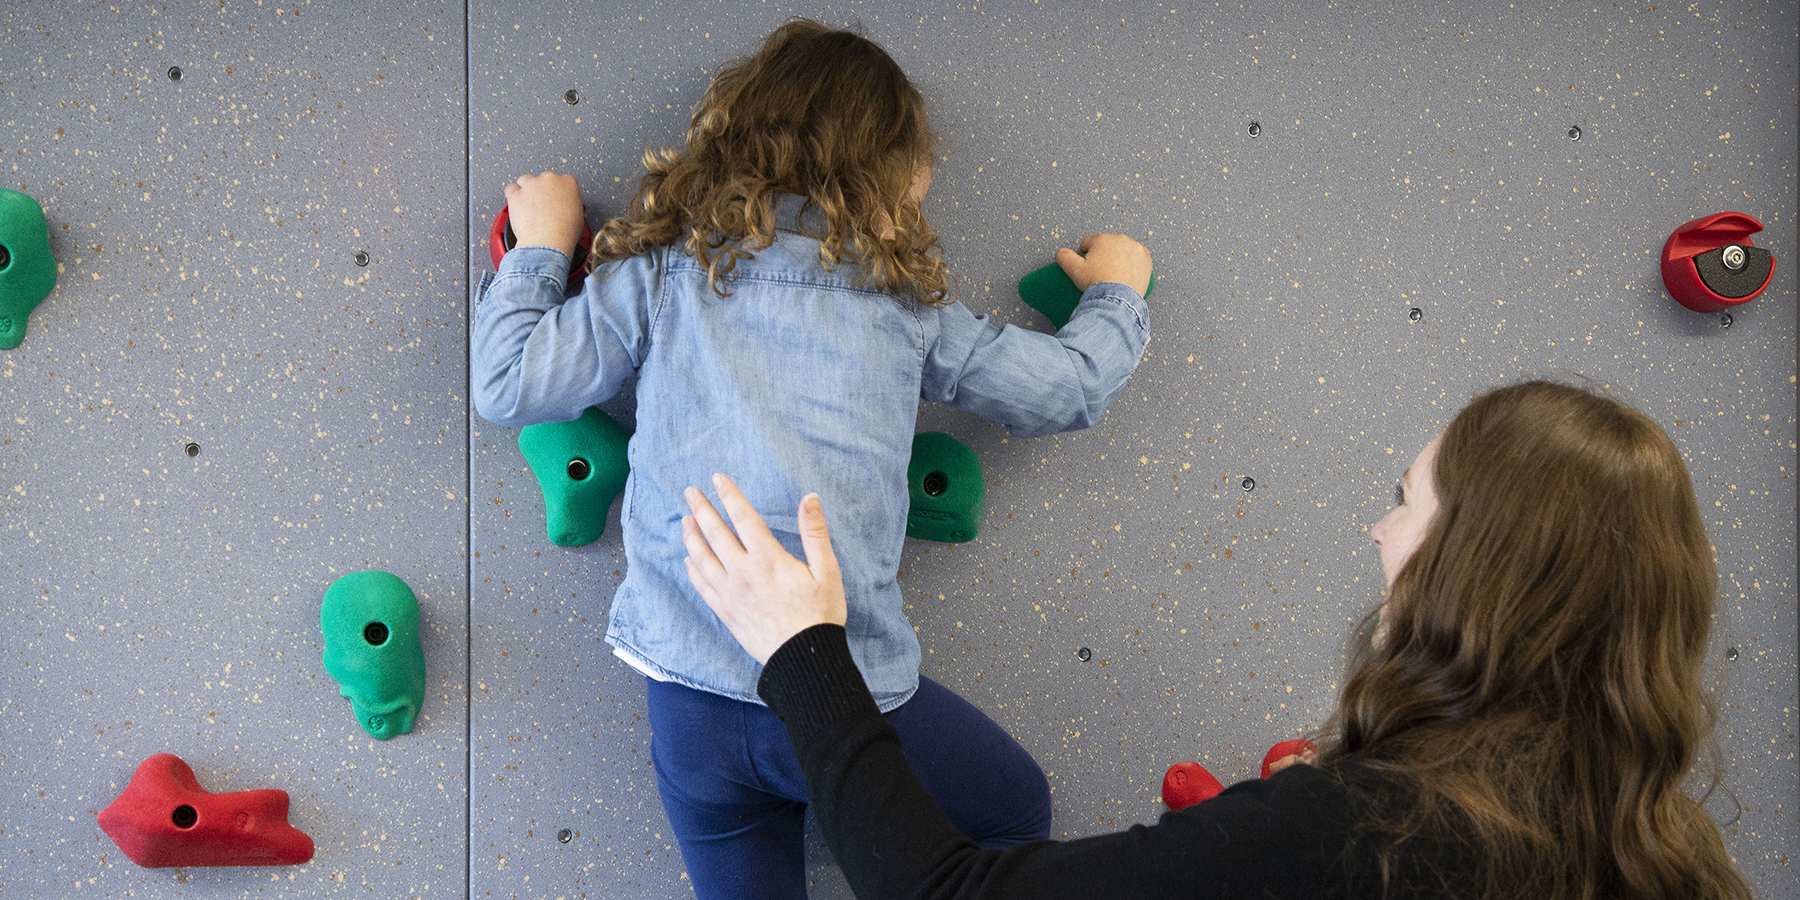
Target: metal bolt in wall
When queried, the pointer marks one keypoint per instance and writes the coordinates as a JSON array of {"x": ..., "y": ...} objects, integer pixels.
[
  {"x": 1732, "y": 653},
  {"x": 174, "y": 73},
  {"x": 564, "y": 835},
  {"x": 571, "y": 96},
  {"x": 362, "y": 257},
  {"x": 1084, "y": 654},
  {"x": 1255, "y": 129},
  {"x": 1249, "y": 484},
  {"x": 1416, "y": 314},
  {"x": 1574, "y": 132},
  {"x": 192, "y": 449},
  {"x": 1724, "y": 320}
]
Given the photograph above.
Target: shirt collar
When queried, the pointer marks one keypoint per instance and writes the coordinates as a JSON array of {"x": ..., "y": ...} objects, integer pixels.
[{"x": 790, "y": 217}]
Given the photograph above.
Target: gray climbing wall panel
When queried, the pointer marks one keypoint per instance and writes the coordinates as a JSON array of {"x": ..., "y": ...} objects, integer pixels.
[{"x": 1408, "y": 157}]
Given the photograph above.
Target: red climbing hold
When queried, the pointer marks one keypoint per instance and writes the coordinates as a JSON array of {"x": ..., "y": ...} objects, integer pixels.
[
  {"x": 1285, "y": 749},
  {"x": 1188, "y": 783},
  {"x": 164, "y": 818}
]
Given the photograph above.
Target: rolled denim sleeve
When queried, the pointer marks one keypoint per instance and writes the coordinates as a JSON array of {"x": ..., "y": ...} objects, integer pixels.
[
  {"x": 535, "y": 358},
  {"x": 1035, "y": 383}
]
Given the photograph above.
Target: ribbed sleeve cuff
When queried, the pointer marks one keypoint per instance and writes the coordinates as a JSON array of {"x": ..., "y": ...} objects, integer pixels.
[{"x": 812, "y": 681}]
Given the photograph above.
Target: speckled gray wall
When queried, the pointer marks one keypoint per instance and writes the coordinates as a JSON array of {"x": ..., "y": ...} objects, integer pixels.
[{"x": 1407, "y": 157}]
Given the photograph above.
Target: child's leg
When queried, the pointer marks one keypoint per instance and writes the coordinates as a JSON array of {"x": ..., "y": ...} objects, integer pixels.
[
  {"x": 737, "y": 818},
  {"x": 980, "y": 776}
]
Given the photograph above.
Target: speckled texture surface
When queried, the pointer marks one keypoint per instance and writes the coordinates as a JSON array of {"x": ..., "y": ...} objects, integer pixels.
[
  {"x": 1408, "y": 156},
  {"x": 158, "y": 601}
]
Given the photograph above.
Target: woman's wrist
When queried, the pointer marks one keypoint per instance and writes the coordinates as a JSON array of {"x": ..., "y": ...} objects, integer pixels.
[{"x": 811, "y": 680}]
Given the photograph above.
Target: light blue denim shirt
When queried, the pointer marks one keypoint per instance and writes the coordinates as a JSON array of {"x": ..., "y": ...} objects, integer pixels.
[{"x": 797, "y": 382}]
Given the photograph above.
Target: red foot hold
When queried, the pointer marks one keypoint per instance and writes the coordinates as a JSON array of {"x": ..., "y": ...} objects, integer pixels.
[
  {"x": 1709, "y": 264},
  {"x": 1284, "y": 749},
  {"x": 1188, "y": 783},
  {"x": 164, "y": 818}
]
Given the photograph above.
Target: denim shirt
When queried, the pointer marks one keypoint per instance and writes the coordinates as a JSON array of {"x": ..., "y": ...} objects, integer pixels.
[{"x": 798, "y": 381}]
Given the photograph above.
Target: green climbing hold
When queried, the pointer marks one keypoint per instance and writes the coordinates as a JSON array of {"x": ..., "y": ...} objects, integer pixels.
[
  {"x": 944, "y": 481},
  {"x": 581, "y": 466},
  {"x": 371, "y": 625},
  {"x": 1049, "y": 290},
  {"x": 27, "y": 270}
]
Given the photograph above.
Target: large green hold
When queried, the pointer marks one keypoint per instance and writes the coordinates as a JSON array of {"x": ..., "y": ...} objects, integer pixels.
[
  {"x": 371, "y": 625},
  {"x": 944, "y": 481},
  {"x": 1051, "y": 291},
  {"x": 580, "y": 466},
  {"x": 27, "y": 270}
]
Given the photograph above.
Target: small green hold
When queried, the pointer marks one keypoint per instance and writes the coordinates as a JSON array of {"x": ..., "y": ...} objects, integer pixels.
[
  {"x": 944, "y": 481},
  {"x": 1051, "y": 291},
  {"x": 27, "y": 270},
  {"x": 371, "y": 625},
  {"x": 580, "y": 466}
]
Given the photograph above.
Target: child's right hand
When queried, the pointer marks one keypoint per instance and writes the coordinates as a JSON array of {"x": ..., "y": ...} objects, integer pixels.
[
  {"x": 545, "y": 211},
  {"x": 1107, "y": 257}
]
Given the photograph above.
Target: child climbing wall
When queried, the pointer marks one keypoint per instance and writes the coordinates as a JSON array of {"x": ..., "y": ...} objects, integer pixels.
[{"x": 1360, "y": 216}]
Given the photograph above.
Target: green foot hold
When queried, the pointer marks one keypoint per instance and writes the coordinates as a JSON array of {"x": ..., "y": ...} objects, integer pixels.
[
  {"x": 581, "y": 466},
  {"x": 27, "y": 270},
  {"x": 371, "y": 626},
  {"x": 1050, "y": 291},
  {"x": 944, "y": 479}
]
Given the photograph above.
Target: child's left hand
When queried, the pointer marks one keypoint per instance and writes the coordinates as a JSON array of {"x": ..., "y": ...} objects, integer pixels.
[{"x": 545, "y": 211}]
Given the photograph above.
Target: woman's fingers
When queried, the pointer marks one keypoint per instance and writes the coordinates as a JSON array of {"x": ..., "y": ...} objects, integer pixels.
[
  {"x": 815, "y": 539},
  {"x": 721, "y": 543}
]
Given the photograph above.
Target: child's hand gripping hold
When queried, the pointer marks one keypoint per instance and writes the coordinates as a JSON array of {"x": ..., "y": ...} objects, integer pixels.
[
  {"x": 545, "y": 211},
  {"x": 1107, "y": 257},
  {"x": 758, "y": 589}
]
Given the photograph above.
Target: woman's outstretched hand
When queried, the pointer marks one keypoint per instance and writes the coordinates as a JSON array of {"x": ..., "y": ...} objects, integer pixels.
[{"x": 758, "y": 589}]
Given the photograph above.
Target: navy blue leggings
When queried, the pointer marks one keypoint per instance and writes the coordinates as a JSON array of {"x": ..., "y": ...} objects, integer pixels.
[{"x": 734, "y": 792}]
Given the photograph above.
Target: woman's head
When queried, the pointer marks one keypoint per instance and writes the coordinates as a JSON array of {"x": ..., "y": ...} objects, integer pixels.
[
  {"x": 1541, "y": 645},
  {"x": 818, "y": 113},
  {"x": 1565, "y": 542}
]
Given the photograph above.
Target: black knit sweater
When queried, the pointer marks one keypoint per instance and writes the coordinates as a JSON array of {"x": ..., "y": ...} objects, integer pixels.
[{"x": 1292, "y": 835}]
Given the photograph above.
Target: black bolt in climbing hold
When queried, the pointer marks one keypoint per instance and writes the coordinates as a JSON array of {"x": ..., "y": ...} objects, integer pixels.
[
  {"x": 1416, "y": 314},
  {"x": 362, "y": 257},
  {"x": 5, "y": 257},
  {"x": 1085, "y": 654},
  {"x": 571, "y": 97},
  {"x": 1255, "y": 129},
  {"x": 579, "y": 469},
  {"x": 1724, "y": 320},
  {"x": 192, "y": 449},
  {"x": 1574, "y": 132},
  {"x": 375, "y": 633},
  {"x": 184, "y": 816},
  {"x": 1732, "y": 653},
  {"x": 174, "y": 73},
  {"x": 1249, "y": 484},
  {"x": 936, "y": 483},
  {"x": 564, "y": 835}
]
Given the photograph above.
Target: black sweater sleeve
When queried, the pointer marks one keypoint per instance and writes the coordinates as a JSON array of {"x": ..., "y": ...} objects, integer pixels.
[{"x": 1278, "y": 837}]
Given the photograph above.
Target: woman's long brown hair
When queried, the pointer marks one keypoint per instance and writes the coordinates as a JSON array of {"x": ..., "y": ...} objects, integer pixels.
[
  {"x": 822, "y": 114},
  {"x": 1540, "y": 674}
]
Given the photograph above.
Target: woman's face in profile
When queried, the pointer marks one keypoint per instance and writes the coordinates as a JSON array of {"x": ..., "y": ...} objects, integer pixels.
[{"x": 1399, "y": 532}]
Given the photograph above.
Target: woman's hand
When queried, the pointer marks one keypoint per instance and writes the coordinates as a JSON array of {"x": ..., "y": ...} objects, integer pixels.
[
  {"x": 1107, "y": 257},
  {"x": 545, "y": 211},
  {"x": 758, "y": 589}
]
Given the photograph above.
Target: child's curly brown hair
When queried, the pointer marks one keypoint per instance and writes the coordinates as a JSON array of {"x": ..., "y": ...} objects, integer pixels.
[{"x": 816, "y": 112}]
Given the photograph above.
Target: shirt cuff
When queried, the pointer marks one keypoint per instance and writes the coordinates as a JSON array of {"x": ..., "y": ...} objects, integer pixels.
[
  {"x": 812, "y": 681},
  {"x": 546, "y": 262}
]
